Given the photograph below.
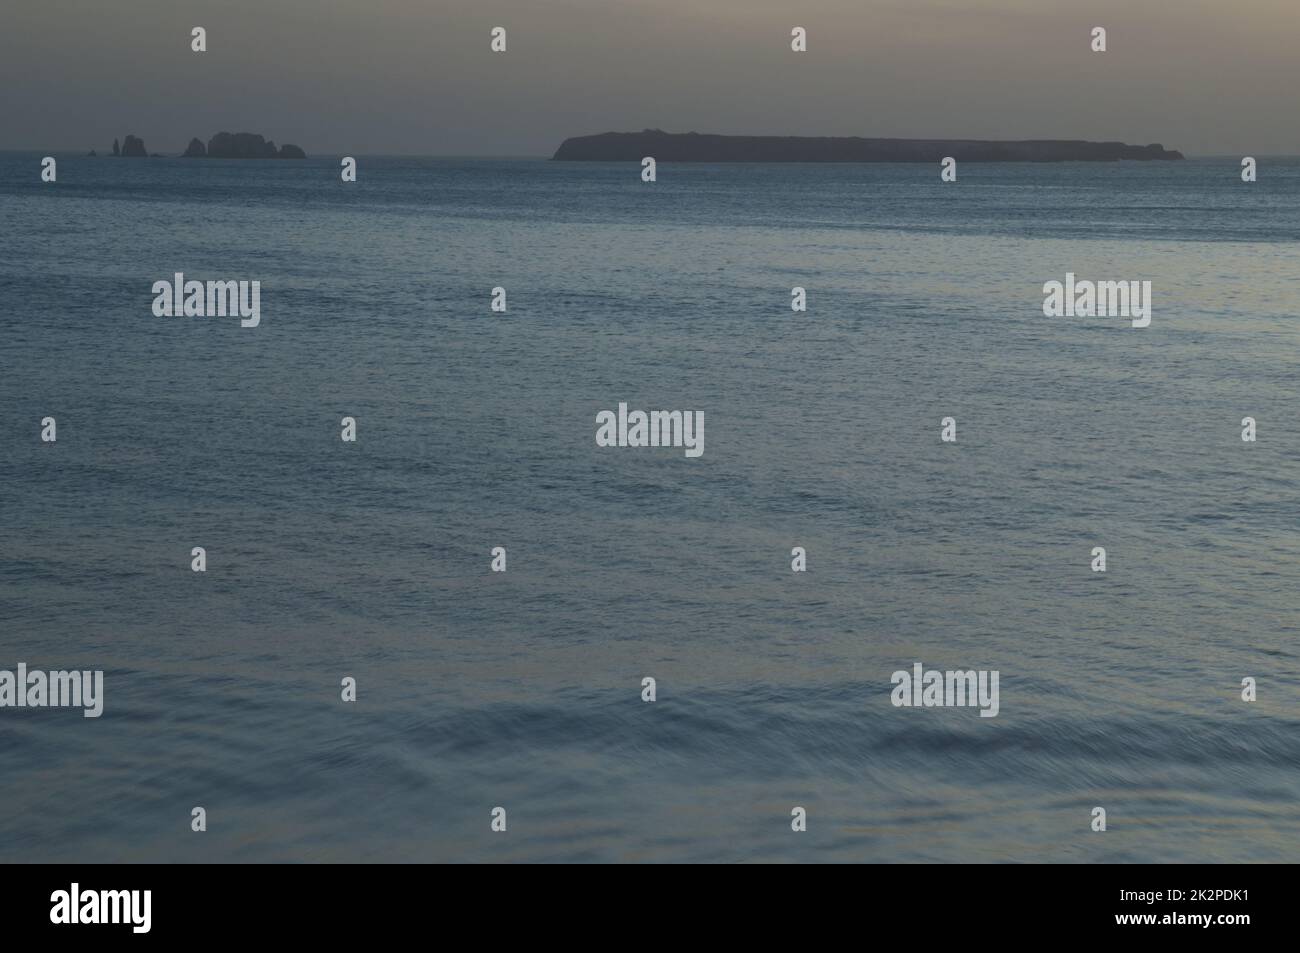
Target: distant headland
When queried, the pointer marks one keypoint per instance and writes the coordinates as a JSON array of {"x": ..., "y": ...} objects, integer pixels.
[
  {"x": 224, "y": 145},
  {"x": 697, "y": 147}
]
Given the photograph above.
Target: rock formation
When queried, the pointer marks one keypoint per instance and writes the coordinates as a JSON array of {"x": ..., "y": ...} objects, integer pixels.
[
  {"x": 240, "y": 145},
  {"x": 694, "y": 147},
  {"x": 247, "y": 145},
  {"x": 195, "y": 150},
  {"x": 133, "y": 147}
]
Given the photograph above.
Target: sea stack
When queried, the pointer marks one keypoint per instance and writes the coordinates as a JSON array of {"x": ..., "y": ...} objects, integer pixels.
[
  {"x": 133, "y": 148},
  {"x": 248, "y": 145},
  {"x": 695, "y": 147},
  {"x": 195, "y": 150}
]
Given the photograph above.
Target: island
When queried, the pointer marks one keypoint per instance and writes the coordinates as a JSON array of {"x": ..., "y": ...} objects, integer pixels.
[
  {"x": 240, "y": 145},
  {"x": 698, "y": 147}
]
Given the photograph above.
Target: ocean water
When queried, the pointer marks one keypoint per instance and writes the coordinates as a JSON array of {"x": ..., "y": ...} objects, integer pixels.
[{"x": 475, "y": 429}]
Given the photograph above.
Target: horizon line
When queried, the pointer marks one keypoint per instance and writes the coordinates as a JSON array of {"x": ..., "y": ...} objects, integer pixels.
[{"x": 528, "y": 155}]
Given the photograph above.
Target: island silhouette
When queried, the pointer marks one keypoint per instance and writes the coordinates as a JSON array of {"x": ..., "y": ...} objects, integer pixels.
[
  {"x": 240, "y": 145},
  {"x": 701, "y": 147},
  {"x": 224, "y": 145}
]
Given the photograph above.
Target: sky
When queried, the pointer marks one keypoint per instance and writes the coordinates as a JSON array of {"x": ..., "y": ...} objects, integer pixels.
[{"x": 417, "y": 77}]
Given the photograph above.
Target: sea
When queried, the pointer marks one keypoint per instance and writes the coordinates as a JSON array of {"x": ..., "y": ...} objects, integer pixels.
[{"x": 523, "y": 690}]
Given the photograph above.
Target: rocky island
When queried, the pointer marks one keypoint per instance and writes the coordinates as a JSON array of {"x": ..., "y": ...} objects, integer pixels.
[
  {"x": 697, "y": 147},
  {"x": 132, "y": 148},
  {"x": 241, "y": 145}
]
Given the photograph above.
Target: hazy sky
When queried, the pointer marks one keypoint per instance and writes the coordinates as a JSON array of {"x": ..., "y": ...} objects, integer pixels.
[{"x": 417, "y": 76}]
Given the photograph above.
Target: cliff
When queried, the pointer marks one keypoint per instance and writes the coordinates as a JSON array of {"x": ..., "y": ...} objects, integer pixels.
[{"x": 694, "y": 147}]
